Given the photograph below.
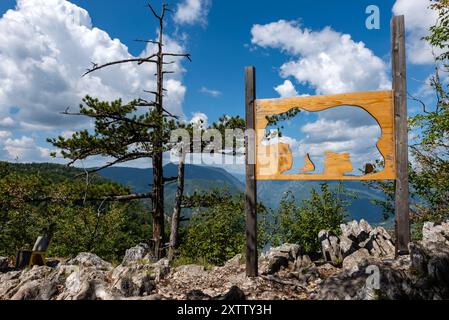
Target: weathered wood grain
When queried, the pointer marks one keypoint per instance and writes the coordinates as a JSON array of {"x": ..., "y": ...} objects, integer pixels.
[
  {"x": 400, "y": 102},
  {"x": 251, "y": 188}
]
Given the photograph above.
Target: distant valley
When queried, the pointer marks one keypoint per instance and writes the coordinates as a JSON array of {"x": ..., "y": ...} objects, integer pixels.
[{"x": 205, "y": 178}]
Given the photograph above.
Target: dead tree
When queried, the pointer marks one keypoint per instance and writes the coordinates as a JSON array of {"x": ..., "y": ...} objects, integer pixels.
[
  {"x": 176, "y": 215},
  {"x": 137, "y": 129}
]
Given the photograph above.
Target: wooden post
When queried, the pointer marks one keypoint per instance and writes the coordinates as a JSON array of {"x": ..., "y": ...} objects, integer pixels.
[
  {"x": 400, "y": 113},
  {"x": 251, "y": 190}
]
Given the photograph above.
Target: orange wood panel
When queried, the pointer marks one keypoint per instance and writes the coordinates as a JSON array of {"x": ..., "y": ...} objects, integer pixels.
[{"x": 273, "y": 160}]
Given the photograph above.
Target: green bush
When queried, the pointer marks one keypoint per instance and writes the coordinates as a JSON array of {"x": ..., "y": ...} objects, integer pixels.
[
  {"x": 217, "y": 234},
  {"x": 107, "y": 229},
  {"x": 301, "y": 223}
]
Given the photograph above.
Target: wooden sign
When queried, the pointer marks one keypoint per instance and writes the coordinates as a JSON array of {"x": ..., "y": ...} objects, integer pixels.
[
  {"x": 273, "y": 160},
  {"x": 389, "y": 108}
]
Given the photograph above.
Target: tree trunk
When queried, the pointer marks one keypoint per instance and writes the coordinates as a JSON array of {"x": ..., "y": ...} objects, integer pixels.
[
  {"x": 158, "y": 206},
  {"x": 158, "y": 173},
  {"x": 174, "y": 234}
]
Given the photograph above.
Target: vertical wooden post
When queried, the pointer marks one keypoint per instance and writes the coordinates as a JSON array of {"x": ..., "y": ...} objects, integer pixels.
[
  {"x": 400, "y": 113},
  {"x": 251, "y": 190}
]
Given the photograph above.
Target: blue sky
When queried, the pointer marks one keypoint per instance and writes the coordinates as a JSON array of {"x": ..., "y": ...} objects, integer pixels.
[{"x": 222, "y": 36}]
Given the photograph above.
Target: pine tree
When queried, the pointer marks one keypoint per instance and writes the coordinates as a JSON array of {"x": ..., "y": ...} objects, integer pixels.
[{"x": 124, "y": 134}]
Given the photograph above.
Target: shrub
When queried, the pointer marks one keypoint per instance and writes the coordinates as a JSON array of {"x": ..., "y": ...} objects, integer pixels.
[
  {"x": 301, "y": 223},
  {"x": 217, "y": 234}
]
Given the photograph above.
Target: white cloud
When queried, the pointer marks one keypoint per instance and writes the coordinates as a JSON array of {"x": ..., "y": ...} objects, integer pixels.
[
  {"x": 200, "y": 119},
  {"x": 4, "y": 135},
  {"x": 329, "y": 61},
  {"x": 192, "y": 12},
  {"x": 7, "y": 122},
  {"x": 67, "y": 134},
  {"x": 25, "y": 149},
  {"x": 418, "y": 19},
  {"x": 210, "y": 92},
  {"x": 45, "y": 47},
  {"x": 286, "y": 90}
]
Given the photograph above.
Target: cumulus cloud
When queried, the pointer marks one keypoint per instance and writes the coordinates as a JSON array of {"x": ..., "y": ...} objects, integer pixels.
[
  {"x": 333, "y": 135},
  {"x": 7, "y": 122},
  {"x": 210, "y": 92},
  {"x": 330, "y": 62},
  {"x": 45, "y": 47},
  {"x": 200, "y": 120},
  {"x": 418, "y": 19},
  {"x": 192, "y": 12},
  {"x": 339, "y": 137},
  {"x": 4, "y": 134},
  {"x": 327, "y": 60},
  {"x": 24, "y": 149},
  {"x": 286, "y": 90}
]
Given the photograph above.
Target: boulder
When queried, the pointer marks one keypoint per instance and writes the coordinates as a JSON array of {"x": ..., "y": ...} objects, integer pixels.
[
  {"x": 436, "y": 232},
  {"x": 431, "y": 260},
  {"x": 275, "y": 264},
  {"x": 140, "y": 253},
  {"x": 37, "y": 283},
  {"x": 279, "y": 257},
  {"x": 376, "y": 281},
  {"x": 356, "y": 231},
  {"x": 355, "y": 236},
  {"x": 235, "y": 262},
  {"x": 86, "y": 259},
  {"x": 330, "y": 247},
  {"x": 302, "y": 262},
  {"x": 347, "y": 246},
  {"x": 86, "y": 283},
  {"x": 351, "y": 263},
  {"x": 287, "y": 250},
  {"x": 136, "y": 279},
  {"x": 380, "y": 244}
]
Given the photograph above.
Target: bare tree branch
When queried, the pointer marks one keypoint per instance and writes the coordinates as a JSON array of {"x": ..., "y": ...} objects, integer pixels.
[
  {"x": 154, "y": 12},
  {"x": 111, "y": 198},
  {"x": 132, "y": 156},
  {"x": 185, "y": 55},
  {"x": 149, "y": 41},
  {"x": 170, "y": 179},
  {"x": 138, "y": 60},
  {"x": 124, "y": 198},
  {"x": 419, "y": 101}
]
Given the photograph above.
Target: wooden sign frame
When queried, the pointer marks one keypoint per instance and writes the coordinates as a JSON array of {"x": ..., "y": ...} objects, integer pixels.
[
  {"x": 279, "y": 158},
  {"x": 389, "y": 108}
]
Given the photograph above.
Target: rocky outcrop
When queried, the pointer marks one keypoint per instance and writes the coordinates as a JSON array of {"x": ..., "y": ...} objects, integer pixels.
[
  {"x": 330, "y": 247},
  {"x": 85, "y": 277},
  {"x": 140, "y": 253},
  {"x": 287, "y": 256},
  {"x": 351, "y": 263},
  {"x": 371, "y": 281},
  {"x": 430, "y": 262},
  {"x": 356, "y": 240},
  {"x": 85, "y": 259},
  {"x": 436, "y": 232},
  {"x": 373, "y": 274},
  {"x": 360, "y": 266}
]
